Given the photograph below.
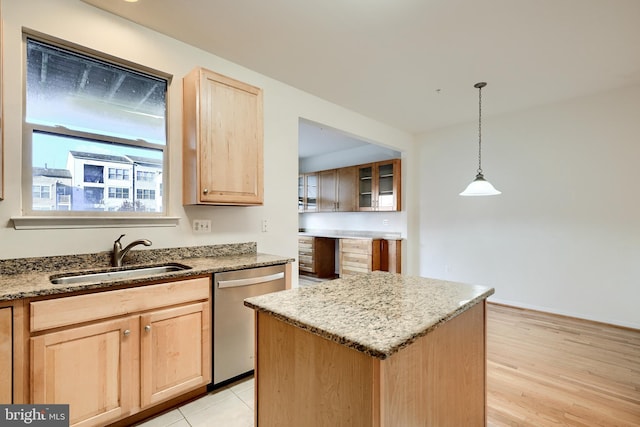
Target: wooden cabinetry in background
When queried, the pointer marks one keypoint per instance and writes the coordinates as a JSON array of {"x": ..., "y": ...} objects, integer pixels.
[
  {"x": 223, "y": 140},
  {"x": 337, "y": 190},
  {"x": 360, "y": 256},
  {"x": 369, "y": 187},
  {"x": 316, "y": 256},
  {"x": 366, "y": 255},
  {"x": 379, "y": 186},
  {"x": 308, "y": 192},
  {"x": 115, "y": 353}
]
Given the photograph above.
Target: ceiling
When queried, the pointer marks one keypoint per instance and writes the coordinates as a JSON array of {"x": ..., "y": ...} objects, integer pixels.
[{"x": 412, "y": 63}]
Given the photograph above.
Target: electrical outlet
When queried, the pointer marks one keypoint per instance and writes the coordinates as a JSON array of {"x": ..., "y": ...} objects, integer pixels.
[
  {"x": 264, "y": 226},
  {"x": 202, "y": 226}
]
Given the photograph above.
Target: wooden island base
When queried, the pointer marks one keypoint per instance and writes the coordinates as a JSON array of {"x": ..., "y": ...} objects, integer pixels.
[{"x": 306, "y": 380}]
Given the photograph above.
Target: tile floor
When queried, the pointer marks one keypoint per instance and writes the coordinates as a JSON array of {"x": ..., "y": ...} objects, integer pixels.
[{"x": 230, "y": 406}]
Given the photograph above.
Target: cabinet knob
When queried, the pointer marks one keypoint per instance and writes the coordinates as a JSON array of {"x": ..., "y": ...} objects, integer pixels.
[
  {"x": 126, "y": 332},
  {"x": 205, "y": 191},
  {"x": 147, "y": 328}
]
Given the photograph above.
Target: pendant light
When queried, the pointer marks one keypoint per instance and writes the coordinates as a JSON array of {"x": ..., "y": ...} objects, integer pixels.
[{"x": 480, "y": 186}]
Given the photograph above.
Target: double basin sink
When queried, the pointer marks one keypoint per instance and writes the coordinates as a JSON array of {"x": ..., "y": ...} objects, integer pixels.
[{"x": 119, "y": 274}]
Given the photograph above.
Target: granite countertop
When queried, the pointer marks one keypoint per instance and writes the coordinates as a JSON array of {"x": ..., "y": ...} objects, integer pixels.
[
  {"x": 377, "y": 313},
  {"x": 347, "y": 234},
  {"x": 30, "y": 277}
]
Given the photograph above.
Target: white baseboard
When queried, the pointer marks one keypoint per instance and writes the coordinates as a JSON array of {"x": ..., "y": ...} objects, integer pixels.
[{"x": 565, "y": 313}]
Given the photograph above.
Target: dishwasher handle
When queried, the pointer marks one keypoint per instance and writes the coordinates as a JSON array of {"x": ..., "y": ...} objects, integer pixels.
[{"x": 235, "y": 283}]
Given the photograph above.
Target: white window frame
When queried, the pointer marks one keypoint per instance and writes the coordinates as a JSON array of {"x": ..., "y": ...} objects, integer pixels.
[{"x": 34, "y": 219}]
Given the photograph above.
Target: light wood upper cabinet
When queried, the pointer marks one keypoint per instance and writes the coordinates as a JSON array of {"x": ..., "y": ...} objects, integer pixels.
[
  {"x": 112, "y": 354},
  {"x": 379, "y": 186},
  {"x": 223, "y": 140}
]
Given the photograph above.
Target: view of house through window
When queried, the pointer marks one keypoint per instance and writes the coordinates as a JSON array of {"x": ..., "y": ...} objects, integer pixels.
[{"x": 96, "y": 132}]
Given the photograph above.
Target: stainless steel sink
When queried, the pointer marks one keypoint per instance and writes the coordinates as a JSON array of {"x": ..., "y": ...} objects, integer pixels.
[{"x": 120, "y": 274}]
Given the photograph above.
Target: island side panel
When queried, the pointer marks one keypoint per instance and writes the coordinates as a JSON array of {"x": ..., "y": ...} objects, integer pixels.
[
  {"x": 305, "y": 380},
  {"x": 440, "y": 379}
]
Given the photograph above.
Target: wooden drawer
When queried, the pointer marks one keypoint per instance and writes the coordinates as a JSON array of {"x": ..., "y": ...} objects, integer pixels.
[
  {"x": 305, "y": 252},
  {"x": 362, "y": 246},
  {"x": 360, "y": 256},
  {"x": 305, "y": 242},
  {"x": 65, "y": 311}
]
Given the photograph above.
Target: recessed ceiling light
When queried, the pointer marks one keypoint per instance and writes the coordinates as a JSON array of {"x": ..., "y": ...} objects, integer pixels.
[{"x": 131, "y": 1}]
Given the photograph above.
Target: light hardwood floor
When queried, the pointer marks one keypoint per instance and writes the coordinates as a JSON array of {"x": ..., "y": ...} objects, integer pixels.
[{"x": 547, "y": 370}]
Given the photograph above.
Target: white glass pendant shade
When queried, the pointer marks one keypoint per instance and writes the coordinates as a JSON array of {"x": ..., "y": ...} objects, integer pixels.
[{"x": 480, "y": 187}]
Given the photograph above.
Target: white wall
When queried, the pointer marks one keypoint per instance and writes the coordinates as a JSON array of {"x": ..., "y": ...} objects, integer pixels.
[
  {"x": 565, "y": 234},
  {"x": 80, "y": 23}
]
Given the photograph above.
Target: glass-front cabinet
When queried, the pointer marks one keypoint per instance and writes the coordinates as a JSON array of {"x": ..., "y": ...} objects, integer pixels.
[
  {"x": 379, "y": 186},
  {"x": 308, "y": 192}
]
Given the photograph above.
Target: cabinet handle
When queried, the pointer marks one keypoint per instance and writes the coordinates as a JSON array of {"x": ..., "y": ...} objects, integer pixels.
[
  {"x": 147, "y": 328},
  {"x": 205, "y": 191},
  {"x": 126, "y": 332}
]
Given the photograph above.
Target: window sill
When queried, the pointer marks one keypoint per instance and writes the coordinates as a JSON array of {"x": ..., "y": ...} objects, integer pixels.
[{"x": 52, "y": 222}]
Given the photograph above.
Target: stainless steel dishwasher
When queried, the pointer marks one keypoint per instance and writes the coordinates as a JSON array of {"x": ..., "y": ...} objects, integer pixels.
[{"x": 233, "y": 323}]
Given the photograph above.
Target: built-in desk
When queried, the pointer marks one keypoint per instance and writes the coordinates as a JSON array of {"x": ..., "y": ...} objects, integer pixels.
[{"x": 319, "y": 251}]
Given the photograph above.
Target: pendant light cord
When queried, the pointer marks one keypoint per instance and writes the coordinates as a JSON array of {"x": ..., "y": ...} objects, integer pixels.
[{"x": 480, "y": 129}]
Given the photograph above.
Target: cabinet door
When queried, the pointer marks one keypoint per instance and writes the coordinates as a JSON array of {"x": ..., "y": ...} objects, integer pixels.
[
  {"x": 387, "y": 186},
  {"x": 175, "y": 352},
  {"x": 366, "y": 190},
  {"x": 88, "y": 367},
  {"x": 301, "y": 193},
  {"x": 311, "y": 192},
  {"x": 223, "y": 140},
  {"x": 379, "y": 186},
  {"x": 327, "y": 186},
  {"x": 346, "y": 189},
  {"x": 6, "y": 356}
]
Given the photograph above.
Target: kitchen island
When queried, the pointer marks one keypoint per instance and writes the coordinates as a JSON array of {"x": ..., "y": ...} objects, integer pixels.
[{"x": 377, "y": 349}]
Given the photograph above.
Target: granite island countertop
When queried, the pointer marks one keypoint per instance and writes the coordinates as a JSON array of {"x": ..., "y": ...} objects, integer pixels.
[
  {"x": 377, "y": 313},
  {"x": 30, "y": 277}
]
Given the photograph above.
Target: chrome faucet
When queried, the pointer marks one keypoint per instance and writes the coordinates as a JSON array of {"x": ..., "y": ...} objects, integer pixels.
[{"x": 118, "y": 253}]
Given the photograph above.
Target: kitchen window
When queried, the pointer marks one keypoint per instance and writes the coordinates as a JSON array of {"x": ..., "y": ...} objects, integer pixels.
[{"x": 94, "y": 120}]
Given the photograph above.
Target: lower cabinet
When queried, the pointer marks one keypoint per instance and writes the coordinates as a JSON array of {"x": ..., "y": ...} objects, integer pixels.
[
  {"x": 361, "y": 256},
  {"x": 6, "y": 355},
  {"x": 172, "y": 352},
  {"x": 108, "y": 369},
  {"x": 366, "y": 255},
  {"x": 89, "y": 367},
  {"x": 316, "y": 256}
]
